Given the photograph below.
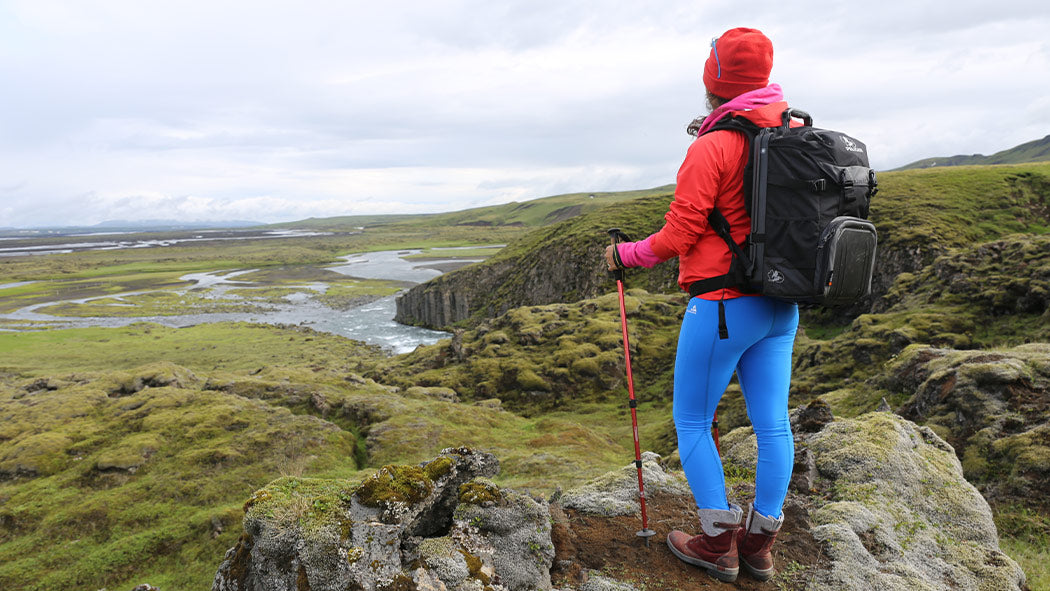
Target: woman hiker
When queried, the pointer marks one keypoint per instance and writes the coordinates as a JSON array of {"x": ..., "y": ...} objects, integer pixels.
[{"x": 761, "y": 329}]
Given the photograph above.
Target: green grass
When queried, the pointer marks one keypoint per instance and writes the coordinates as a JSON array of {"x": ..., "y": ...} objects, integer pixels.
[
  {"x": 946, "y": 207},
  {"x": 1034, "y": 561},
  {"x": 1034, "y": 151},
  {"x": 205, "y": 347},
  {"x": 160, "y": 473},
  {"x": 459, "y": 253},
  {"x": 528, "y": 214},
  {"x": 1025, "y": 537}
]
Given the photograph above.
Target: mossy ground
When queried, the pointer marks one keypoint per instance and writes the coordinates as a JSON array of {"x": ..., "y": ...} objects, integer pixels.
[
  {"x": 145, "y": 484},
  {"x": 142, "y": 467}
]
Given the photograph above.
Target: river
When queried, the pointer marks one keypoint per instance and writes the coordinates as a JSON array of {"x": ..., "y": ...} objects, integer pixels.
[{"x": 372, "y": 323}]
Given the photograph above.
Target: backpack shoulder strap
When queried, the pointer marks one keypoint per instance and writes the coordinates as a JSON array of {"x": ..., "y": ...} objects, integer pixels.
[
  {"x": 739, "y": 266},
  {"x": 736, "y": 123}
]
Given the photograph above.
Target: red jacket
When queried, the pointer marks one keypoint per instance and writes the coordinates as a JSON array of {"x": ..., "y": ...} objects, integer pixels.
[{"x": 712, "y": 175}]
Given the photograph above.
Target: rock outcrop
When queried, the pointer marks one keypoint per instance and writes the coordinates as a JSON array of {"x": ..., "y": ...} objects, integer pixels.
[
  {"x": 991, "y": 406},
  {"x": 406, "y": 527},
  {"x": 876, "y": 502}
]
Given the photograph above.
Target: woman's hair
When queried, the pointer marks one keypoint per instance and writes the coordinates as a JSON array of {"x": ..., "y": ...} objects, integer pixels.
[{"x": 713, "y": 102}]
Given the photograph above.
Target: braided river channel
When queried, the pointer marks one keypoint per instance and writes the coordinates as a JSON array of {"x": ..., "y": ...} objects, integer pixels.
[{"x": 371, "y": 322}]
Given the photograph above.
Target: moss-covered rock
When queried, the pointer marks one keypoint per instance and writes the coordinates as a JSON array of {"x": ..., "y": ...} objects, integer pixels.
[
  {"x": 992, "y": 406},
  {"x": 546, "y": 357},
  {"x": 514, "y": 535},
  {"x": 330, "y": 535},
  {"x": 616, "y": 493},
  {"x": 900, "y": 514},
  {"x": 395, "y": 484},
  {"x": 891, "y": 507}
]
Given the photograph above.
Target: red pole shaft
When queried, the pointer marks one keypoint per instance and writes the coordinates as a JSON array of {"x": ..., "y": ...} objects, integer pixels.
[{"x": 634, "y": 404}]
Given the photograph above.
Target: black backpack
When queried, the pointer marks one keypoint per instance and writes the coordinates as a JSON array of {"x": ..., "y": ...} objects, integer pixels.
[{"x": 807, "y": 191}]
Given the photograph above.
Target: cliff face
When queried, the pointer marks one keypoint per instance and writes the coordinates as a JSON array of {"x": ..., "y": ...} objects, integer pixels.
[{"x": 559, "y": 263}]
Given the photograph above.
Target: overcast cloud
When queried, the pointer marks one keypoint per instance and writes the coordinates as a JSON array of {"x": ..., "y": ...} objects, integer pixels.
[{"x": 276, "y": 111}]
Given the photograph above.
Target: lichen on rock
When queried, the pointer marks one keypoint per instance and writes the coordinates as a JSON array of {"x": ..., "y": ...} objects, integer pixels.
[
  {"x": 403, "y": 528},
  {"x": 616, "y": 493},
  {"x": 901, "y": 515},
  {"x": 991, "y": 406}
]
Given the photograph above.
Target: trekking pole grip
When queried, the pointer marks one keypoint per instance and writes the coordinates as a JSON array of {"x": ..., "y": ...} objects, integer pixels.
[{"x": 617, "y": 236}]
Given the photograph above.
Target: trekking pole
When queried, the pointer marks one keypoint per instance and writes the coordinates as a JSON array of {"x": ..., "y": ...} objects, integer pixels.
[
  {"x": 714, "y": 425},
  {"x": 616, "y": 235}
]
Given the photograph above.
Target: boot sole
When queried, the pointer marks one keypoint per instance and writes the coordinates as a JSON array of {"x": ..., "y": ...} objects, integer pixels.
[
  {"x": 726, "y": 575},
  {"x": 760, "y": 574}
]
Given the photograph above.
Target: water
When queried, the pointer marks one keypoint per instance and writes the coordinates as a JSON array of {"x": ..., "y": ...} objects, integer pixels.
[{"x": 372, "y": 323}]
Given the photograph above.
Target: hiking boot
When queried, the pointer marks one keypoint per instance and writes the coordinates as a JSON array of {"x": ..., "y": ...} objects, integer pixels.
[
  {"x": 715, "y": 547},
  {"x": 754, "y": 541}
]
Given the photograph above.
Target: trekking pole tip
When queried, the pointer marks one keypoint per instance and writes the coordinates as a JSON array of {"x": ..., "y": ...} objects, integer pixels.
[{"x": 645, "y": 534}]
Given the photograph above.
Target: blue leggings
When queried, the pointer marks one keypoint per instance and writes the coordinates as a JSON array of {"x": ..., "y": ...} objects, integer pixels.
[{"x": 761, "y": 338}]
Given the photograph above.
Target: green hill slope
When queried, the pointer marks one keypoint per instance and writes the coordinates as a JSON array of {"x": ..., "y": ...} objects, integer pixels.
[
  {"x": 532, "y": 213},
  {"x": 1034, "y": 151}
]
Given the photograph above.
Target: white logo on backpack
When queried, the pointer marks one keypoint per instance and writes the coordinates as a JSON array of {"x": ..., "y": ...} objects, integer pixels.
[
  {"x": 850, "y": 145},
  {"x": 775, "y": 276}
]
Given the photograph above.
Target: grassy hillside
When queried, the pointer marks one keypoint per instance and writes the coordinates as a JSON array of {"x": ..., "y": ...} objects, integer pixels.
[
  {"x": 532, "y": 213},
  {"x": 957, "y": 206},
  {"x": 1034, "y": 151},
  {"x": 919, "y": 214}
]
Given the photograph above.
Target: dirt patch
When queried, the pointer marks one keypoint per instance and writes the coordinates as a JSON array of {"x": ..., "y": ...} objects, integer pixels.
[
  {"x": 608, "y": 544},
  {"x": 562, "y": 214}
]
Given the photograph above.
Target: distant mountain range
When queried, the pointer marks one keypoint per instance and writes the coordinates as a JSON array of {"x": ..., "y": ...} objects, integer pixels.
[{"x": 1034, "y": 151}]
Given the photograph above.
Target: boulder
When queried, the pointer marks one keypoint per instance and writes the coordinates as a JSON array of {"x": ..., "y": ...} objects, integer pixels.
[
  {"x": 885, "y": 506},
  {"x": 892, "y": 509},
  {"x": 616, "y": 493},
  {"x": 405, "y": 527}
]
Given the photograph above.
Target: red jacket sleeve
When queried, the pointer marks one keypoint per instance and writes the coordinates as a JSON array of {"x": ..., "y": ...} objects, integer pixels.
[{"x": 699, "y": 183}]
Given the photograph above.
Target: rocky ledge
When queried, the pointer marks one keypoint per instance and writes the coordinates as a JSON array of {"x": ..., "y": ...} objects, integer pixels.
[{"x": 875, "y": 502}]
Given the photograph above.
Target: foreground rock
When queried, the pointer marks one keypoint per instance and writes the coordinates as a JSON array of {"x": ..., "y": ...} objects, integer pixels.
[
  {"x": 407, "y": 527},
  {"x": 891, "y": 508}
]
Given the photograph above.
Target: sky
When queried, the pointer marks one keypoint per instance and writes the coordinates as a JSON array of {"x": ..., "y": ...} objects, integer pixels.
[{"x": 270, "y": 111}]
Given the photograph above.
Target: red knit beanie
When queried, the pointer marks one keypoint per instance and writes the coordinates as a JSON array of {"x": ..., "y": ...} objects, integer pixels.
[{"x": 740, "y": 62}]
